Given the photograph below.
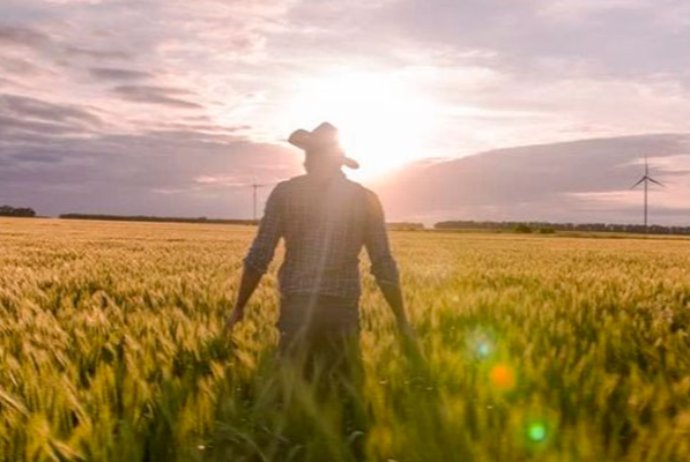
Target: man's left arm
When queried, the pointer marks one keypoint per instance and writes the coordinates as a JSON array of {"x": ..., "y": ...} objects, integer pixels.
[{"x": 383, "y": 265}]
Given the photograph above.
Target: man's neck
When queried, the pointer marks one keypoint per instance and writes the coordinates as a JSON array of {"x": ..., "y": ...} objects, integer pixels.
[{"x": 335, "y": 175}]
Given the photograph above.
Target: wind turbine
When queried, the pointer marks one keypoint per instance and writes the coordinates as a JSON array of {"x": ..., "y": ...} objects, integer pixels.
[
  {"x": 646, "y": 179},
  {"x": 255, "y": 187}
]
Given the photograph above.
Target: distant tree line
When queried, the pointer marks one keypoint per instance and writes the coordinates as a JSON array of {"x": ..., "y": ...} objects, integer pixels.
[
  {"x": 545, "y": 227},
  {"x": 405, "y": 226},
  {"x": 7, "y": 211},
  {"x": 146, "y": 218}
]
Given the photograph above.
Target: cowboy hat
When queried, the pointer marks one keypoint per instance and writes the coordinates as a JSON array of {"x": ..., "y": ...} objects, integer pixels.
[{"x": 320, "y": 139}]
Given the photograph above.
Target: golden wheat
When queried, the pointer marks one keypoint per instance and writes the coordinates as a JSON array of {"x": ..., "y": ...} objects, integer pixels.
[{"x": 537, "y": 348}]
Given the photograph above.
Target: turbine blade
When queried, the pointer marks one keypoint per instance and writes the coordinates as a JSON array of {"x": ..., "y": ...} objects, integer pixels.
[
  {"x": 639, "y": 182},
  {"x": 656, "y": 182}
]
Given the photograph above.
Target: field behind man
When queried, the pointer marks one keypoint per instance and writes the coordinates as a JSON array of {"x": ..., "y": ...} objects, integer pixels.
[{"x": 538, "y": 348}]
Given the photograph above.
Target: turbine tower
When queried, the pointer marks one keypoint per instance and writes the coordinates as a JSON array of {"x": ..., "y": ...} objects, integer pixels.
[
  {"x": 255, "y": 186},
  {"x": 646, "y": 179}
]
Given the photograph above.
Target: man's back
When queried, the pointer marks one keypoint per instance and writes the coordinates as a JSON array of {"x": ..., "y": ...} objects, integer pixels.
[
  {"x": 324, "y": 225},
  {"x": 325, "y": 219}
]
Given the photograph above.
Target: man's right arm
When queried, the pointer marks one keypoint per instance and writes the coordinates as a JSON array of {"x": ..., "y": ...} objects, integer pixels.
[
  {"x": 259, "y": 256},
  {"x": 250, "y": 280}
]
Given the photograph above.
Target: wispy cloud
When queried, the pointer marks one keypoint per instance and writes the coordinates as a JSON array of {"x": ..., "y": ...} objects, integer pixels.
[
  {"x": 22, "y": 36},
  {"x": 115, "y": 74},
  {"x": 156, "y": 95},
  {"x": 31, "y": 108}
]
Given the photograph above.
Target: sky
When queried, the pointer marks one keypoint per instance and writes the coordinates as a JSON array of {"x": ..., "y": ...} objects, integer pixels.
[{"x": 173, "y": 107}]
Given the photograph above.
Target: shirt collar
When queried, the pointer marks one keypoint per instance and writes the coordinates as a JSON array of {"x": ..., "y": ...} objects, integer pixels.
[{"x": 337, "y": 176}]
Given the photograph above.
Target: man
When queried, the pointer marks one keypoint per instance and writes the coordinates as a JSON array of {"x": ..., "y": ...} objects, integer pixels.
[{"x": 325, "y": 220}]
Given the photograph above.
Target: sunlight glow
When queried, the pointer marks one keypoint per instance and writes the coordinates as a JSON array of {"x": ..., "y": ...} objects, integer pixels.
[{"x": 383, "y": 121}]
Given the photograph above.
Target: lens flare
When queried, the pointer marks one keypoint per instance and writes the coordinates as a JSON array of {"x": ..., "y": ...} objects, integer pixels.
[
  {"x": 502, "y": 377},
  {"x": 537, "y": 432},
  {"x": 484, "y": 350}
]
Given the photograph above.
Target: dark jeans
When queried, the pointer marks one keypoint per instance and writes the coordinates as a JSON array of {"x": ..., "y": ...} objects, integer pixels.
[
  {"x": 322, "y": 331},
  {"x": 319, "y": 334}
]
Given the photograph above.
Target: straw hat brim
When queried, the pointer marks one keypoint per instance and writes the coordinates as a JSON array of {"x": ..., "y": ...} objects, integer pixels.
[{"x": 323, "y": 136}]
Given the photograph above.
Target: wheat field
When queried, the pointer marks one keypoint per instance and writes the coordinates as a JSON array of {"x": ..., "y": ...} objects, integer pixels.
[{"x": 544, "y": 348}]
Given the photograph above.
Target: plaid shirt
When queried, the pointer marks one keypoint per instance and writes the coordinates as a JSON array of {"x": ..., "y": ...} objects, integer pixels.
[{"x": 324, "y": 227}]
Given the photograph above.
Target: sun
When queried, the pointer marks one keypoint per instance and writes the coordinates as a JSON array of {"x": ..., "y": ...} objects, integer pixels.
[{"x": 383, "y": 120}]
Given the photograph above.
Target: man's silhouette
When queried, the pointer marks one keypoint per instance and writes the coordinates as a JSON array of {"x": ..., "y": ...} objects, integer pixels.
[{"x": 325, "y": 219}]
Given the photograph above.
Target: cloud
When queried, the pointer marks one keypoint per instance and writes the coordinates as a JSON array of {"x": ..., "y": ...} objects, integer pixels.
[
  {"x": 614, "y": 37},
  {"x": 578, "y": 10},
  {"x": 77, "y": 51},
  {"x": 11, "y": 36},
  {"x": 6, "y": 83},
  {"x": 101, "y": 89},
  {"x": 28, "y": 157},
  {"x": 155, "y": 95},
  {"x": 577, "y": 181},
  {"x": 29, "y": 121},
  {"x": 128, "y": 173},
  {"x": 203, "y": 128},
  {"x": 12, "y": 125},
  {"x": 108, "y": 73},
  {"x": 25, "y": 107},
  {"x": 18, "y": 66}
]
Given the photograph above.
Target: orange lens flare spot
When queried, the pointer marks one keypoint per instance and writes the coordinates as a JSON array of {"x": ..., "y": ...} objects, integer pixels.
[{"x": 502, "y": 377}]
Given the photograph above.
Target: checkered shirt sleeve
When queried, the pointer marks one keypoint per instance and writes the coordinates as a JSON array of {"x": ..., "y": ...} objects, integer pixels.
[
  {"x": 269, "y": 234},
  {"x": 383, "y": 265}
]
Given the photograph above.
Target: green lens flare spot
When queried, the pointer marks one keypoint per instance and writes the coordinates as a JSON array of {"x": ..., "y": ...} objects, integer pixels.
[
  {"x": 537, "y": 432},
  {"x": 484, "y": 350}
]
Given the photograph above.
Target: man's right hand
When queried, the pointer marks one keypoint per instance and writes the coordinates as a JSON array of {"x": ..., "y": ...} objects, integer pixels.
[
  {"x": 250, "y": 279},
  {"x": 236, "y": 316},
  {"x": 406, "y": 330},
  {"x": 410, "y": 343}
]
